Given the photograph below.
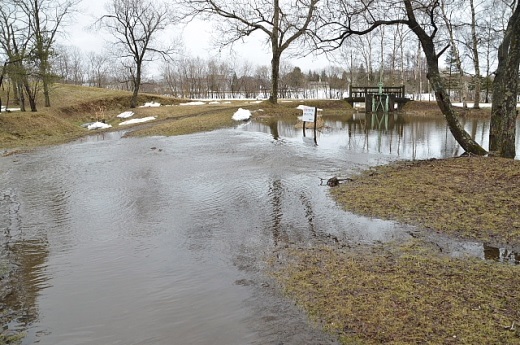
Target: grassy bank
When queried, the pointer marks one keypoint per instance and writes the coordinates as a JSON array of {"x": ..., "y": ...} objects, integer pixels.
[
  {"x": 410, "y": 293},
  {"x": 404, "y": 294},
  {"x": 73, "y": 106},
  {"x": 474, "y": 198}
]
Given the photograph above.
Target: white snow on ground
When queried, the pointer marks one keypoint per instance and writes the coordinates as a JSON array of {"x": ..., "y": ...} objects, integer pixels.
[
  {"x": 133, "y": 121},
  {"x": 126, "y": 114},
  {"x": 4, "y": 109},
  {"x": 98, "y": 125},
  {"x": 150, "y": 105},
  {"x": 241, "y": 115},
  {"x": 301, "y": 107},
  {"x": 214, "y": 102},
  {"x": 193, "y": 103},
  {"x": 470, "y": 105}
]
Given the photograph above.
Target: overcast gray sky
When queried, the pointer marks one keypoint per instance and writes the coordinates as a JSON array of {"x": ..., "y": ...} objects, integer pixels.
[{"x": 197, "y": 37}]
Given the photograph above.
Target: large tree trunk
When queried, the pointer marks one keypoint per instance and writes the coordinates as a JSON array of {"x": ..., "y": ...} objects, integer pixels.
[
  {"x": 46, "y": 96},
  {"x": 136, "y": 86},
  {"x": 275, "y": 49},
  {"x": 434, "y": 76},
  {"x": 275, "y": 73},
  {"x": 502, "y": 130}
]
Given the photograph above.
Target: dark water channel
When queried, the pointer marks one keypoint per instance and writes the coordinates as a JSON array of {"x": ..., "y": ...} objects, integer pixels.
[{"x": 162, "y": 240}]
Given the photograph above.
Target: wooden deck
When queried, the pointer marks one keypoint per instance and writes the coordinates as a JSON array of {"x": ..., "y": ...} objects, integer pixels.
[{"x": 365, "y": 93}]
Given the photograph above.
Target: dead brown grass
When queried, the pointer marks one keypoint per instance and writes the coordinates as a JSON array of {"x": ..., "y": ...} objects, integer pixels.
[
  {"x": 411, "y": 293},
  {"x": 403, "y": 294},
  {"x": 73, "y": 106},
  {"x": 425, "y": 108},
  {"x": 470, "y": 197}
]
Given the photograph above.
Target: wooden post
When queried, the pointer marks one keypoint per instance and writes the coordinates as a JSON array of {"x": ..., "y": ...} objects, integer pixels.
[{"x": 315, "y": 123}]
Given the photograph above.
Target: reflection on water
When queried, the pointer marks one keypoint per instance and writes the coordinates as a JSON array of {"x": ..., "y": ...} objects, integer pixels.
[
  {"x": 400, "y": 135},
  {"x": 501, "y": 254},
  {"x": 119, "y": 243}
]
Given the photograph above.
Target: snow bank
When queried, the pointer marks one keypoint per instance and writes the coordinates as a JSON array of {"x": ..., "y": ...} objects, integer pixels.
[
  {"x": 5, "y": 110},
  {"x": 126, "y": 114},
  {"x": 301, "y": 107},
  {"x": 134, "y": 121},
  {"x": 97, "y": 125},
  {"x": 193, "y": 103},
  {"x": 241, "y": 115},
  {"x": 151, "y": 105}
]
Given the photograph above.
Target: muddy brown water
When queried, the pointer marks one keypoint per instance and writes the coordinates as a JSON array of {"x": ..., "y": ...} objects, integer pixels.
[{"x": 162, "y": 240}]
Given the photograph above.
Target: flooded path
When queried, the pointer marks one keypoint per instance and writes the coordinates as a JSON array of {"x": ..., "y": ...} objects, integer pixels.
[{"x": 162, "y": 240}]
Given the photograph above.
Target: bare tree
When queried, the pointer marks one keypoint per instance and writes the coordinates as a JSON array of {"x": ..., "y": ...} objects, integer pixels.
[
  {"x": 15, "y": 41},
  {"x": 283, "y": 22},
  {"x": 67, "y": 64},
  {"x": 447, "y": 16},
  {"x": 422, "y": 19},
  {"x": 45, "y": 19},
  {"x": 135, "y": 25},
  {"x": 98, "y": 69}
]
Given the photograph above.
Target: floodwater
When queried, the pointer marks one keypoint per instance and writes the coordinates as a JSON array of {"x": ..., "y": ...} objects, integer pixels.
[{"x": 162, "y": 240}]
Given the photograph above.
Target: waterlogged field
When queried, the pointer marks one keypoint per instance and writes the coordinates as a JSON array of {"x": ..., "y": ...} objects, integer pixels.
[{"x": 213, "y": 237}]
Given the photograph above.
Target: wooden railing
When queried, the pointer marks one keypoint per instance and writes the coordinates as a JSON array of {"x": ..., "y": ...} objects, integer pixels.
[{"x": 362, "y": 91}]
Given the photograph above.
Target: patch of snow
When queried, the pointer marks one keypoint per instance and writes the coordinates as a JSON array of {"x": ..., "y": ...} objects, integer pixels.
[
  {"x": 151, "y": 104},
  {"x": 255, "y": 102},
  {"x": 134, "y": 121},
  {"x": 98, "y": 125},
  {"x": 470, "y": 105},
  {"x": 126, "y": 114},
  {"x": 241, "y": 115},
  {"x": 214, "y": 102},
  {"x": 193, "y": 103},
  {"x": 6, "y": 110},
  {"x": 301, "y": 107}
]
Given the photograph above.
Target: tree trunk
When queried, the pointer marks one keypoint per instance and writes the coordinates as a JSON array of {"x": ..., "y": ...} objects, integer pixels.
[
  {"x": 137, "y": 85},
  {"x": 474, "y": 50},
  {"x": 275, "y": 73},
  {"x": 502, "y": 130},
  {"x": 275, "y": 49},
  {"x": 434, "y": 76},
  {"x": 46, "y": 96},
  {"x": 30, "y": 94}
]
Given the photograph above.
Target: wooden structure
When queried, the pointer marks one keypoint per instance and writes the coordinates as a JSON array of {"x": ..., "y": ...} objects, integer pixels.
[{"x": 373, "y": 95}]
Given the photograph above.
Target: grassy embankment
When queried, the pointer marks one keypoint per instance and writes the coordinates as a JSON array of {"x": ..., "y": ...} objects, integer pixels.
[
  {"x": 75, "y": 105},
  {"x": 412, "y": 293}
]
